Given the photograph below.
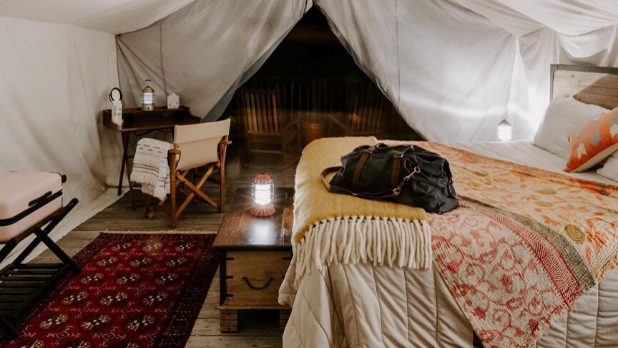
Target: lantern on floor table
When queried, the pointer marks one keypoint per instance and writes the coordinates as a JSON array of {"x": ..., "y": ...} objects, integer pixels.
[
  {"x": 263, "y": 190},
  {"x": 148, "y": 97},
  {"x": 505, "y": 131}
]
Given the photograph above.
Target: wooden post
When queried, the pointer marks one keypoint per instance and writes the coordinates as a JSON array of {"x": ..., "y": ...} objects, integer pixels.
[
  {"x": 222, "y": 153},
  {"x": 229, "y": 320},
  {"x": 125, "y": 146},
  {"x": 284, "y": 316},
  {"x": 173, "y": 152}
]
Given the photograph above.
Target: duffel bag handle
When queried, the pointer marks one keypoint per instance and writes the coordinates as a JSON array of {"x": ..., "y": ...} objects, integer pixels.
[
  {"x": 366, "y": 153},
  {"x": 392, "y": 193}
]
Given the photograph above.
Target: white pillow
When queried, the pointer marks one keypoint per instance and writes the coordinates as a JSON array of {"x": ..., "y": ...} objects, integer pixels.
[
  {"x": 610, "y": 168},
  {"x": 562, "y": 118}
]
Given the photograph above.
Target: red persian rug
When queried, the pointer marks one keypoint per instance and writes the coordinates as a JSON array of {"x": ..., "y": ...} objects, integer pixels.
[{"x": 135, "y": 291}]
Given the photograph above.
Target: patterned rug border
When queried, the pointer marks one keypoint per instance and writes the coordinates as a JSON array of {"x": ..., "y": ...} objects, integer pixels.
[{"x": 176, "y": 332}]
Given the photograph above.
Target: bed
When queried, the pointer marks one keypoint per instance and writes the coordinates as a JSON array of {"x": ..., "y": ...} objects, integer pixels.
[{"x": 366, "y": 305}]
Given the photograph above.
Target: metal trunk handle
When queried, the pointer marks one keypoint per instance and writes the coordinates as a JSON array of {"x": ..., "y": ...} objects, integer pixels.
[{"x": 258, "y": 287}]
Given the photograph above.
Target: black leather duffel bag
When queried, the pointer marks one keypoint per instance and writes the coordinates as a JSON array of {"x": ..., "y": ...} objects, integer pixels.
[{"x": 406, "y": 174}]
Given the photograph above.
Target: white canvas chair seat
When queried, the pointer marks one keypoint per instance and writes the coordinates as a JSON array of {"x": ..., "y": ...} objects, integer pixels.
[{"x": 196, "y": 146}]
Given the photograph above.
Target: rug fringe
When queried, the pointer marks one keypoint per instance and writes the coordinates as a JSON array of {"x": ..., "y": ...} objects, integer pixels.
[{"x": 360, "y": 239}]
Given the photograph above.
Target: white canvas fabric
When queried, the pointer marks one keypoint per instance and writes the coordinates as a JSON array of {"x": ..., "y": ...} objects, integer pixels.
[
  {"x": 560, "y": 15},
  {"x": 114, "y": 16},
  {"x": 202, "y": 52},
  {"x": 54, "y": 83},
  {"x": 446, "y": 69},
  {"x": 429, "y": 67},
  {"x": 545, "y": 47}
]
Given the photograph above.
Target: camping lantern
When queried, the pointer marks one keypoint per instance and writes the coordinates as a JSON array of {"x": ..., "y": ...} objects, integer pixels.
[
  {"x": 505, "y": 130},
  {"x": 148, "y": 97},
  {"x": 263, "y": 191}
]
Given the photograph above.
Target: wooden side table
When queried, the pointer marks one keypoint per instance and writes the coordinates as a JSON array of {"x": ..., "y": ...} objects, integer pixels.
[{"x": 256, "y": 255}]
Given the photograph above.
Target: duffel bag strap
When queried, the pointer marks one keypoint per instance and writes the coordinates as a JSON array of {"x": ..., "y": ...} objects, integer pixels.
[
  {"x": 359, "y": 167},
  {"x": 378, "y": 195}
]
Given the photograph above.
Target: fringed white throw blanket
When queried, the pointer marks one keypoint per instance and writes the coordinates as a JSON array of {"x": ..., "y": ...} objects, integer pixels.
[
  {"x": 150, "y": 167},
  {"x": 331, "y": 228}
]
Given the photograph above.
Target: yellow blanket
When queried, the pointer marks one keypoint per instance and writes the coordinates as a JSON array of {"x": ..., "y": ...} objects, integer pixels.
[{"x": 341, "y": 228}]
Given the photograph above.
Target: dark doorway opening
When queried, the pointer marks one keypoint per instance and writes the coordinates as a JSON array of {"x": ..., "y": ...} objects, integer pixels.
[{"x": 312, "y": 81}]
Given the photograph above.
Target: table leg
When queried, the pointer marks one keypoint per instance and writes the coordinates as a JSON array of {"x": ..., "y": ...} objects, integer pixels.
[
  {"x": 129, "y": 169},
  {"x": 8, "y": 328},
  {"x": 125, "y": 146},
  {"x": 284, "y": 315},
  {"x": 229, "y": 320}
]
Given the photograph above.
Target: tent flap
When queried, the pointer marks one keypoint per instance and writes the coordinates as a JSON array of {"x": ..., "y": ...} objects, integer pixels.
[{"x": 202, "y": 51}]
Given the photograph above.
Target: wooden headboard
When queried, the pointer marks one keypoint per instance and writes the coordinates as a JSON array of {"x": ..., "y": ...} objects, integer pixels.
[{"x": 588, "y": 84}]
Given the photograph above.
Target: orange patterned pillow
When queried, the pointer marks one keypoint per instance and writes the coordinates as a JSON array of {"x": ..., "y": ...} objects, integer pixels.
[{"x": 593, "y": 143}]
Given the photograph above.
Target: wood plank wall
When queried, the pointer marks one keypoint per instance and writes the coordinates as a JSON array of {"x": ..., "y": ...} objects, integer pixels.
[{"x": 588, "y": 87}]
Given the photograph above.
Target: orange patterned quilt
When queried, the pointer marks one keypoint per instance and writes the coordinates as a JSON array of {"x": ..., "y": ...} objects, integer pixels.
[{"x": 523, "y": 246}]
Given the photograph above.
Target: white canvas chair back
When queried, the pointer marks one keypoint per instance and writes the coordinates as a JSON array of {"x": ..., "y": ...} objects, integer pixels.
[{"x": 199, "y": 143}]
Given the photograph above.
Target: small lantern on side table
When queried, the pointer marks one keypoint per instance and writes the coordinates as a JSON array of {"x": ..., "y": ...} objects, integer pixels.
[
  {"x": 263, "y": 190},
  {"x": 148, "y": 97}
]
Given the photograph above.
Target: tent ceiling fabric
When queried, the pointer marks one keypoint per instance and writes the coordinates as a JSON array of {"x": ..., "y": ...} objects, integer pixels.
[
  {"x": 438, "y": 75},
  {"x": 114, "y": 16},
  {"x": 202, "y": 51},
  {"x": 512, "y": 21},
  {"x": 569, "y": 17},
  {"x": 519, "y": 17}
]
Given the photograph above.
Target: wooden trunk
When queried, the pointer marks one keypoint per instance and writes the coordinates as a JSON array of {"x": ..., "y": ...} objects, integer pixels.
[
  {"x": 256, "y": 255},
  {"x": 254, "y": 277}
]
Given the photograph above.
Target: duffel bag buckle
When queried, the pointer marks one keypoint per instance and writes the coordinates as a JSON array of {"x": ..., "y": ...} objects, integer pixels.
[{"x": 416, "y": 170}]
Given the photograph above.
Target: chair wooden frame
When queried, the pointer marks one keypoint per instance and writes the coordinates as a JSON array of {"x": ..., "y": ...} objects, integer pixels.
[
  {"x": 191, "y": 190},
  {"x": 364, "y": 113},
  {"x": 266, "y": 123}
]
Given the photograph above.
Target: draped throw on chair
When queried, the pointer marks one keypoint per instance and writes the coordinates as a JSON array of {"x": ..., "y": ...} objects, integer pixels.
[{"x": 196, "y": 146}]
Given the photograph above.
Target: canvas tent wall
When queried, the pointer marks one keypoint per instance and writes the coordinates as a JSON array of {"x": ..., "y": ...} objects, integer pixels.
[{"x": 453, "y": 68}]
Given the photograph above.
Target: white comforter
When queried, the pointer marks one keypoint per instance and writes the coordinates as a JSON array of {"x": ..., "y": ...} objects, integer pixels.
[{"x": 366, "y": 306}]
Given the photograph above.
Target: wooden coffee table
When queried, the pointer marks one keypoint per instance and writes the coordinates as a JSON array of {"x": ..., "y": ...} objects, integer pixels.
[{"x": 256, "y": 254}]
